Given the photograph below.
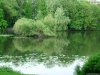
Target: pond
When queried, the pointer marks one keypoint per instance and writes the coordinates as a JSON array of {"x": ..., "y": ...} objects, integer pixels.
[{"x": 48, "y": 56}]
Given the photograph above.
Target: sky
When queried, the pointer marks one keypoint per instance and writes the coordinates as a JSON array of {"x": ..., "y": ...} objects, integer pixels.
[{"x": 97, "y": 0}]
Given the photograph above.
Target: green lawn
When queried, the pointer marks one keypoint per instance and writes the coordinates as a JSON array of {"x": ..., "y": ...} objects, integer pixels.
[{"x": 8, "y": 71}]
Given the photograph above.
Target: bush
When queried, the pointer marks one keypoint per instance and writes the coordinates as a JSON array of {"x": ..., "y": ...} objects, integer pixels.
[
  {"x": 41, "y": 28},
  {"x": 50, "y": 22},
  {"x": 57, "y": 23},
  {"x": 39, "y": 15},
  {"x": 29, "y": 27},
  {"x": 47, "y": 26},
  {"x": 24, "y": 27},
  {"x": 91, "y": 66}
]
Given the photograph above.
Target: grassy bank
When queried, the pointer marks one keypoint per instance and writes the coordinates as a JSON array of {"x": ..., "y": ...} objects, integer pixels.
[{"x": 8, "y": 71}]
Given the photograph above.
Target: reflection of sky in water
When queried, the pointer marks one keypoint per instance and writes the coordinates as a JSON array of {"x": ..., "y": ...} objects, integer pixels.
[{"x": 40, "y": 69}]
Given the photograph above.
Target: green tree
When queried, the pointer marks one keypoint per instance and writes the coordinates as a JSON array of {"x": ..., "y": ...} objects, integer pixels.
[
  {"x": 83, "y": 17},
  {"x": 79, "y": 12},
  {"x": 41, "y": 6},
  {"x": 82, "y": 14},
  {"x": 28, "y": 9},
  {"x": 61, "y": 20},
  {"x": 3, "y": 23},
  {"x": 96, "y": 16},
  {"x": 52, "y": 5},
  {"x": 10, "y": 11}
]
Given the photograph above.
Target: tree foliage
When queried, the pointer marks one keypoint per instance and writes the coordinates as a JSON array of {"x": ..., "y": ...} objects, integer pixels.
[
  {"x": 66, "y": 14},
  {"x": 3, "y": 23},
  {"x": 29, "y": 27}
]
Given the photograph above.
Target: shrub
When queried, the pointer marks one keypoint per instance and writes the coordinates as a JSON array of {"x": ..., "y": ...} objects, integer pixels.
[
  {"x": 91, "y": 66},
  {"x": 24, "y": 27},
  {"x": 41, "y": 28},
  {"x": 58, "y": 22},
  {"x": 50, "y": 22},
  {"x": 29, "y": 27},
  {"x": 39, "y": 15}
]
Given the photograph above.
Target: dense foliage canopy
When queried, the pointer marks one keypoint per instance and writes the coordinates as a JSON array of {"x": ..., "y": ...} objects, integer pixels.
[{"x": 57, "y": 15}]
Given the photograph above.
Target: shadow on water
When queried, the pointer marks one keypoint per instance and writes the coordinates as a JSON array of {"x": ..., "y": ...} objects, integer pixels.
[{"x": 61, "y": 50}]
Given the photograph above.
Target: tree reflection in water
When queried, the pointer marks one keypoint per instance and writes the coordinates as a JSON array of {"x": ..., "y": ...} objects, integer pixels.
[{"x": 60, "y": 50}]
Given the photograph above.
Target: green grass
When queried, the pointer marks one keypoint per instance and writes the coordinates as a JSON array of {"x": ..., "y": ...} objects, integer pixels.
[{"x": 8, "y": 71}]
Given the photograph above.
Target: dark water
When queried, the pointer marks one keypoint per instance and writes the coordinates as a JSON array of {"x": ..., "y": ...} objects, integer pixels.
[{"x": 50, "y": 56}]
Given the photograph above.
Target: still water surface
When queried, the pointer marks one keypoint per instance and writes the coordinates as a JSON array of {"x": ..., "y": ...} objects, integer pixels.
[{"x": 50, "y": 56}]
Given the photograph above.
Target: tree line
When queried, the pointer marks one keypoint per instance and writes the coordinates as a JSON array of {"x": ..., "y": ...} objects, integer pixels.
[{"x": 48, "y": 16}]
